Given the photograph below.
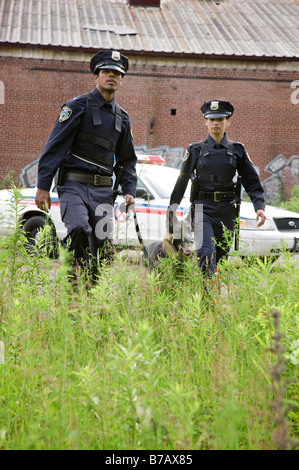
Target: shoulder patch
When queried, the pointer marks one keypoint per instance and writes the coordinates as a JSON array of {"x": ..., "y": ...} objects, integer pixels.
[
  {"x": 65, "y": 113},
  {"x": 186, "y": 156},
  {"x": 247, "y": 155}
]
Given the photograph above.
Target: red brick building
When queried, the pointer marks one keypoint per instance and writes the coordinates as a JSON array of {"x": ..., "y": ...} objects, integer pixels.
[{"x": 181, "y": 53}]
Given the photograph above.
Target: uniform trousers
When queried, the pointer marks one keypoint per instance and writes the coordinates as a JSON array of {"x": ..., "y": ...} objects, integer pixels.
[
  {"x": 87, "y": 212},
  {"x": 214, "y": 227}
]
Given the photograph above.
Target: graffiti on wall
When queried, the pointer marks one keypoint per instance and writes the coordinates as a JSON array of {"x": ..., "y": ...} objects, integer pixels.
[
  {"x": 172, "y": 158},
  {"x": 28, "y": 174},
  {"x": 284, "y": 173},
  {"x": 284, "y": 176}
]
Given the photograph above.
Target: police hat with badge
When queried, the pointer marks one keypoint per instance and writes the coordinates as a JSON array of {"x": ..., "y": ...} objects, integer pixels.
[
  {"x": 217, "y": 109},
  {"x": 109, "y": 60}
]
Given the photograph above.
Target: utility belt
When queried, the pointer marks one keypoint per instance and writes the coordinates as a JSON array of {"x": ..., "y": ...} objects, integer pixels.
[
  {"x": 88, "y": 178},
  {"x": 217, "y": 196}
]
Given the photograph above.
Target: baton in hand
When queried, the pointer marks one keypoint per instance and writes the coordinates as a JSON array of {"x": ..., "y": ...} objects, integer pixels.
[
  {"x": 140, "y": 239},
  {"x": 237, "y": 201},
  {"x": 116, "y": 191}
]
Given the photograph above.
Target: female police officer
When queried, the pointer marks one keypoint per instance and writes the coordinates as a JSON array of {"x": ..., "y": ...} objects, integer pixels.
[
  {"x": 212, "y": 165},
  {"x": 91, "y": 139}
]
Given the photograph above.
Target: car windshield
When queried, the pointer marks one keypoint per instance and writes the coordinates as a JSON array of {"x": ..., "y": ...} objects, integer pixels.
[{"x": 163, "y": 180}]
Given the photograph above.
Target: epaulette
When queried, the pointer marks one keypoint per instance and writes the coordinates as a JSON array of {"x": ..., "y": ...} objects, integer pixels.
[
  {"x": 78, "y": 97},
  {"x": 237, "y": 143},
  {"x": 197, "y": 144},
  {"x": 123, "y": 110}
]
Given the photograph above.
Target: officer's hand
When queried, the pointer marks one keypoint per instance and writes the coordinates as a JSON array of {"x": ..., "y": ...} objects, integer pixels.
[
  {"x": 129, "y": 199},
  {"x": 42, "y": 199},
  {"x": 260, "y": 214}
]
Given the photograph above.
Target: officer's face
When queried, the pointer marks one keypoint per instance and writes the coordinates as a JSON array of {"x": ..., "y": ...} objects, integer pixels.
[
  {"x": 108, "y": 80},
  {"x": 217, "y": 126}
]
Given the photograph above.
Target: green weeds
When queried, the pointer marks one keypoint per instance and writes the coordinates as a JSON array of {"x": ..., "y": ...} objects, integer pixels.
[{"x": 145, "y": 359}]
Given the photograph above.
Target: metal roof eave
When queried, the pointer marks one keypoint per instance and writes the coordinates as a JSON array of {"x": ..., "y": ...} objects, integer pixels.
[{"x": 160, "y": 54}]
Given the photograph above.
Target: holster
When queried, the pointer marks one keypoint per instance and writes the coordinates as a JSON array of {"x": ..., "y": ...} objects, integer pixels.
[
  {"x": 61, "y": 173},
  {"x": 194, "y": 189}
]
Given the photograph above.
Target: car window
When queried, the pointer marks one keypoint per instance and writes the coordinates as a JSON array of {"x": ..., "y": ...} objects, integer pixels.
[
  {"x": 142, "y": 190},
  {"x": 163, "y": 180}
]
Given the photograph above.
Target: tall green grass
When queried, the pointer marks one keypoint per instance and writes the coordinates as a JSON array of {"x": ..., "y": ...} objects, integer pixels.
[{"x": 146, "y": 359}]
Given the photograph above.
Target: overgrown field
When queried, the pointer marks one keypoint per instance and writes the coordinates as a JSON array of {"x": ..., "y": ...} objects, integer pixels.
[{"x": 147, "y": 360}]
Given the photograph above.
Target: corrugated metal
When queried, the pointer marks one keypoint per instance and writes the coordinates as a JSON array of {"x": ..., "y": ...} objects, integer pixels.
[{"x": 253, "y": 28}]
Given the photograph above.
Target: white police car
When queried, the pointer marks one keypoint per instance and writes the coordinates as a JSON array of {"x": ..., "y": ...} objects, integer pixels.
[{"x": 155, "y": 184}]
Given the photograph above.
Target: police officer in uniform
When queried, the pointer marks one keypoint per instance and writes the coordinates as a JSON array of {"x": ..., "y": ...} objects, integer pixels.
[
  {"x": 212, "y": 165},
  {"x": 90, "y": 140}
]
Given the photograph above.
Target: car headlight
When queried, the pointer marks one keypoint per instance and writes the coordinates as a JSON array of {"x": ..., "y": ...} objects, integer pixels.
[{"x": 251, "y": 224}]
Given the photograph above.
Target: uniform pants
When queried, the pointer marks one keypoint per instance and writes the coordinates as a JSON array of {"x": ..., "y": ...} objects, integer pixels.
[
  {"x": 211, "y": 243},
  {"x": 87, "y": 211}
]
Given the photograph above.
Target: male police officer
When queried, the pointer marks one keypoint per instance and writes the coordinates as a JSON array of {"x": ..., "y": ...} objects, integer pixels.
[
  {"x": 91, "y": 139},
  {"x": 212, "y": 165}
]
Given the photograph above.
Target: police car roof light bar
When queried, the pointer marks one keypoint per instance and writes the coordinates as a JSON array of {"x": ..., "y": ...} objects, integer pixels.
[{"x": 151, "y": 159}]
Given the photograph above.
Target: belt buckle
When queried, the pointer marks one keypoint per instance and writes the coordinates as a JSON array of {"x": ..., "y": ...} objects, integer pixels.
[
  {"x": 97, "y": 180},
  {"x": 217, "y": 194}
]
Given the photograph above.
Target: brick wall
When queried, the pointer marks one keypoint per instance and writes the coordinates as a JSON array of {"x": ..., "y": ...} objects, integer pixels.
[{"x": 163, "y": 99}]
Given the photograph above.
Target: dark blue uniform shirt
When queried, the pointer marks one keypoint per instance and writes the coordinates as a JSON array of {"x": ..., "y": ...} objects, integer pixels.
[
  {"x": 78, "y": 116},
  {"x": 217, "y": 163}
]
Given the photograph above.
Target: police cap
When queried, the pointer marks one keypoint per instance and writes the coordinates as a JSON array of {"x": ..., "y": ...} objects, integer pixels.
[
  {"x": 217, "y": 109},
  {"x": 109, "y": 60}
]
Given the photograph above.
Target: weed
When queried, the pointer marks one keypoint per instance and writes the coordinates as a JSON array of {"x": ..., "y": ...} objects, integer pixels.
[{"x": 141, "y": 359}]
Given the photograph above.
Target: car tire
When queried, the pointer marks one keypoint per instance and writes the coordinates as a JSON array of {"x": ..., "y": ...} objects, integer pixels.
[{"x": 32, "y": 228}]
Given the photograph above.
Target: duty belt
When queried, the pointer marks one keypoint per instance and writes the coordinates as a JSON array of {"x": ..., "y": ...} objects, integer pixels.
[
  {"x": 88, "y": 178},
  {"x": 217, "y": 196}
]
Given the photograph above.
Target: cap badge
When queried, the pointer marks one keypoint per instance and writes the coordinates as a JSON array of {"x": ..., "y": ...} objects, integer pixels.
[
  {"x": 115, "y": 56},
  {"x": 214, "y": 105}
]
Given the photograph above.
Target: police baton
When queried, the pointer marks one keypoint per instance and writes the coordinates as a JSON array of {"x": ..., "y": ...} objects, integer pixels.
[
  {"x": 116, "y": 191},
  {"x": 237, "y": 201},
  {"x": 140, "y": 239}
]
